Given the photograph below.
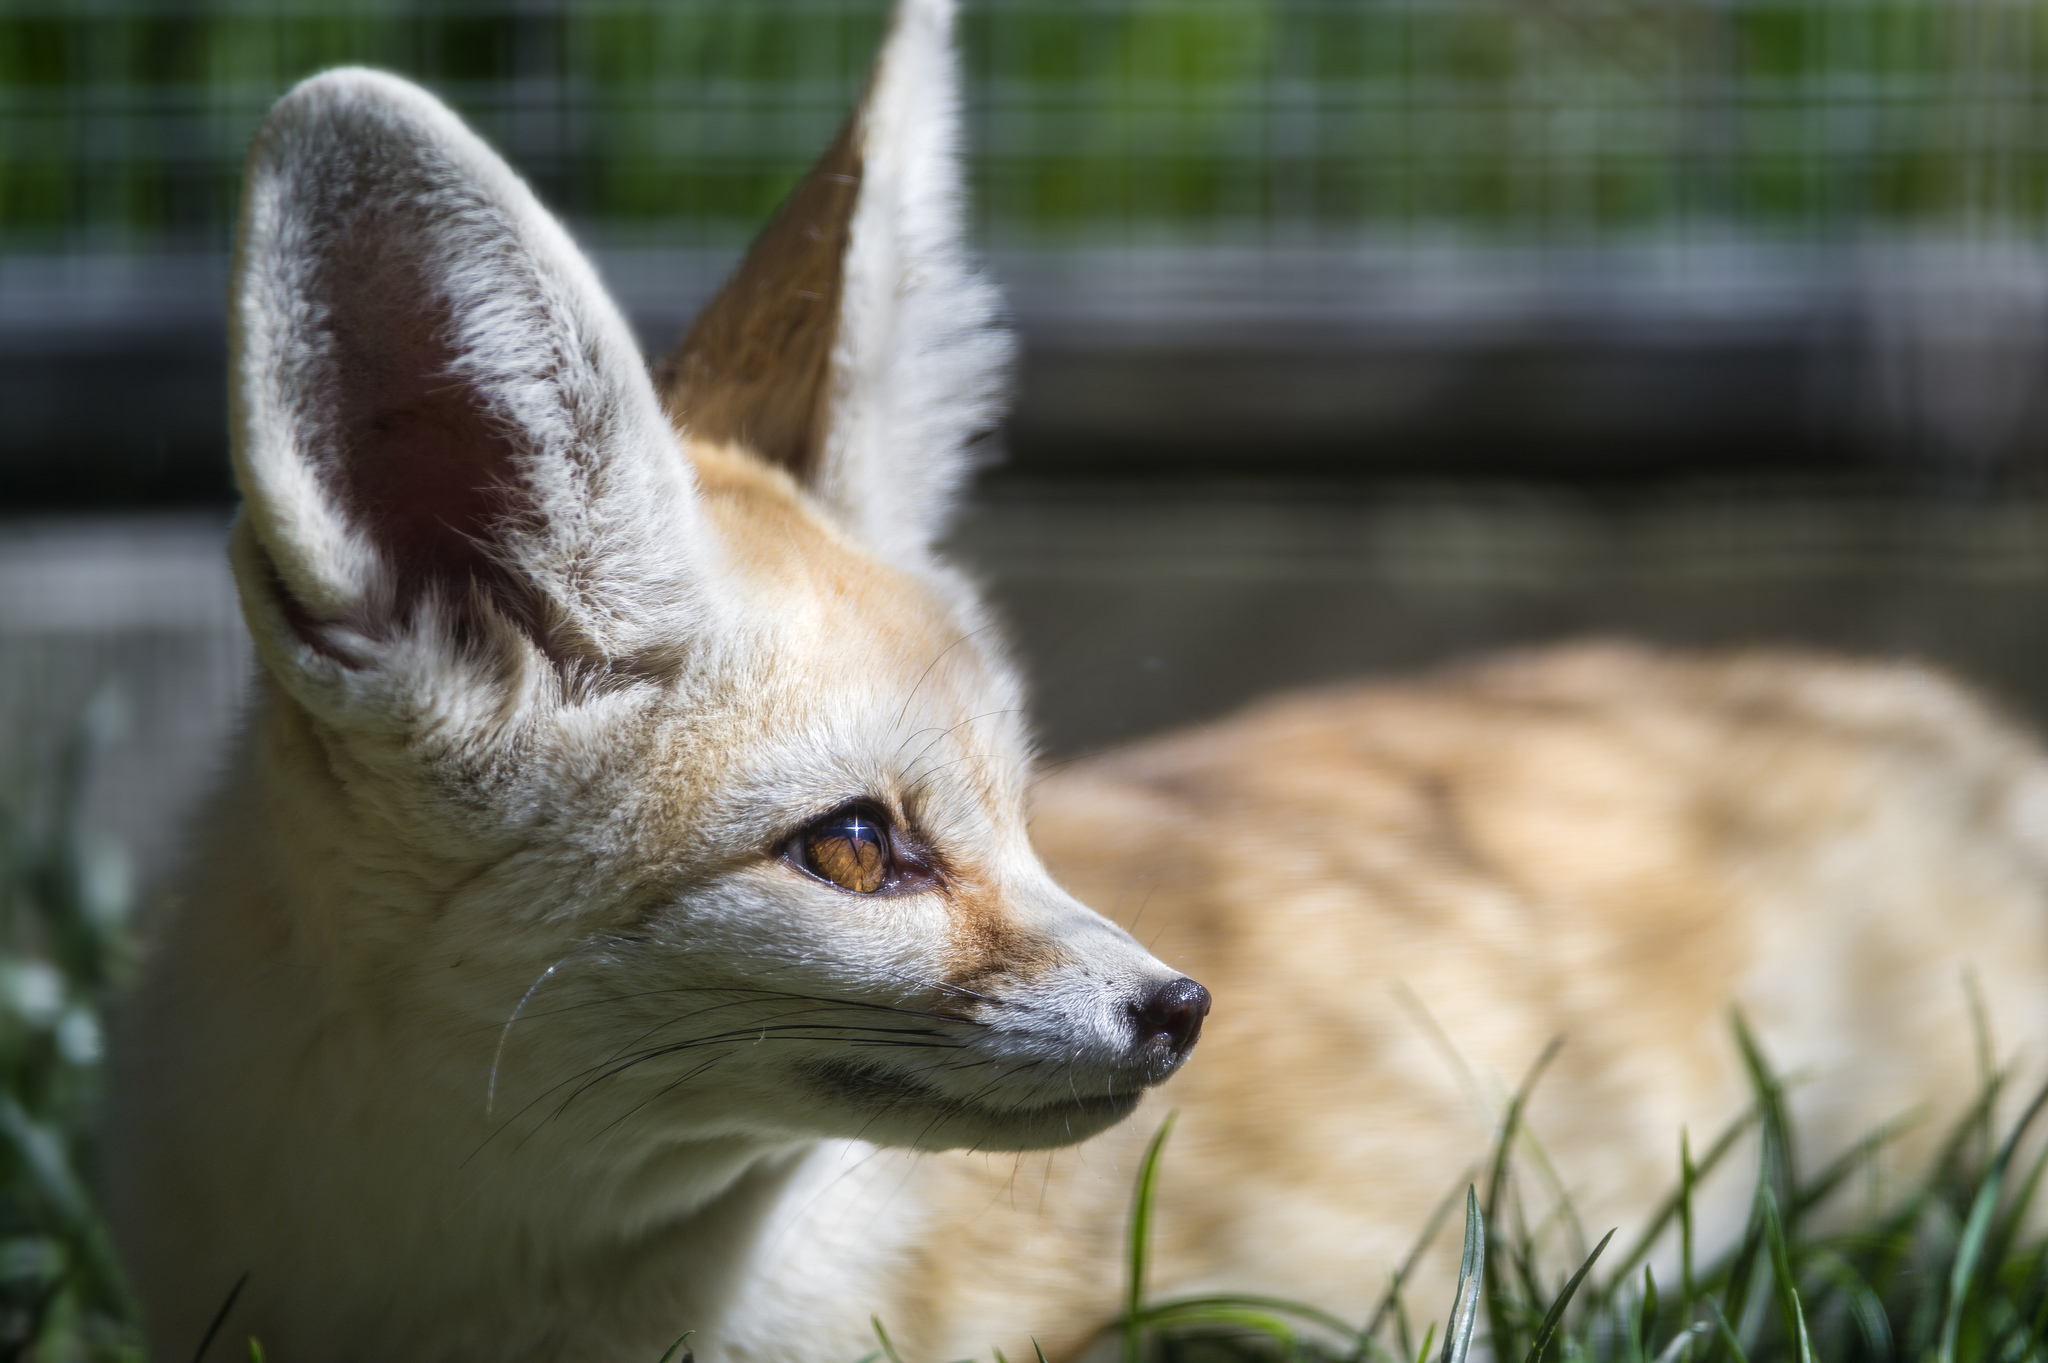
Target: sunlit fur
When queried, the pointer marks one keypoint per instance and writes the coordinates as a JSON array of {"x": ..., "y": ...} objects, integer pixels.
[
  {"x": 328, "y": 1084},
  {"x": 1400, "y": 894},
  {"x": 490, "y": 1021}
]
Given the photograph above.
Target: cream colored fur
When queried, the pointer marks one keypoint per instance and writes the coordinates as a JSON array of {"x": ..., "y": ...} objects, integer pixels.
[
  {"x": 493, "y": 1019},
  {"x": 918, "y": 363}
]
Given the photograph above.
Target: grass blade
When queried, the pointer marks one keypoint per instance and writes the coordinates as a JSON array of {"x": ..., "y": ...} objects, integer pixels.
[
  {"x": 1646, "y": 1335},
  {"x": 1739, "y": 1278},
  {"x": 683, "y": 1338},
  {"x": 1780, "y": 1172},
  {"x": 1865, "y": 1308},
  {"x": 1497, "y": 1323},
  {"x": 1679, "y": 1205},
  {"x": 1236, "y": 1318},
  {"x": 1250, "y": 1301},
  {"x": 1855, "y": 1157},
  {"x": 1554, "y": 1317},
  {"x": 1681, "y": 1343},
  {"x": 1422, "y": 1243},
  {"x": 2013, "y": 1219},
  {"x": 1138, "y": 1253},
  {"x": 1727, "y": 1336},
  {"x": 1688, "y": 1179},
  {"x": 1781, "y": 1273},
  {"x": 1954, "y": 1155},
  {"x": 1963, "y": 1273},
  {"x": 220, "y": 1318},
  {"x": 888, "y": 1349},
  {"x": 1471, "y": 1284}
]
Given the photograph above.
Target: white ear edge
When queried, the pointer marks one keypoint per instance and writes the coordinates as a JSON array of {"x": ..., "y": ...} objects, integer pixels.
[
  {"x": 922, "y": 359},
  {"x": 530, "y": 324}
]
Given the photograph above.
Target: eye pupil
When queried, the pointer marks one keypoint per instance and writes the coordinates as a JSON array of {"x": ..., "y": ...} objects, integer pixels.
[{"x": 850, "y": 850}]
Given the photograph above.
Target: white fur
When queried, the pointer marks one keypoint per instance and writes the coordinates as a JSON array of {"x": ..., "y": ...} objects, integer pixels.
[
  {"x": 357, "y": 162},
  {"x": 498, "y": 1019},
  {"x": 921, "y": 361},
  {"x": 460, "y": 873}
]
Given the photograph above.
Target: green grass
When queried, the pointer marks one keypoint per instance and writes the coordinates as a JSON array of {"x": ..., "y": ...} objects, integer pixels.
[
  {"x": 1946, "y": 1275},
  {"x": 63, "y": 917}
]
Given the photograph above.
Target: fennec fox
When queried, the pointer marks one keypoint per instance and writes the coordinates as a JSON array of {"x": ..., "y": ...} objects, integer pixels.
[{"x": 622, "y": 899}]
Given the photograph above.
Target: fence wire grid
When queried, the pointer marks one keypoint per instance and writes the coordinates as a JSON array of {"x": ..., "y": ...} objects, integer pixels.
[{"x": 123, "y": 122}]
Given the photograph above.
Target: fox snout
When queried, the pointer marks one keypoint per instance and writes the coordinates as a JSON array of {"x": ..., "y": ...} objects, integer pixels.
[
  {"x": 1061, "y": 1045},
  {"x": 1169, "y": 1023}
]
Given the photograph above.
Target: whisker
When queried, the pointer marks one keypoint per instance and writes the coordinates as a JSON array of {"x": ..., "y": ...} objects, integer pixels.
[
  {"x": 660, "y": 1093},
  {"x": 790, "y": 1015},
  {"x": 789, "y": 1032},
  {"x": 750, "y": 992},
  {"x": 925, "y": 676},
  {"x": 491, "y": 1085},
  {"x": 943, "y": 734},
  {"x": 674, "y": 1021},
  {"x": 618, "y": 1063}
]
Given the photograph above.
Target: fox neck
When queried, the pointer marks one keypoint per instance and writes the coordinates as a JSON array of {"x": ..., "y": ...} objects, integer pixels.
[{"x": 281, "y": 1038}]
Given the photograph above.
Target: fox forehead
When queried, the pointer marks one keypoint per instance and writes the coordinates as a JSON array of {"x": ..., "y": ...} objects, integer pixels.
[
  {"x": 794, "y": 567},
  {"x": 851, "y": 678}
]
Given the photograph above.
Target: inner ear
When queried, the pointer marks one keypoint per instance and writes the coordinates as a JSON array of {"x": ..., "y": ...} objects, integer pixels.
[
  {"x": 428, "y": 481},
  {"x": 421, "y": 468},
  {"x": 417, "y": 461}
]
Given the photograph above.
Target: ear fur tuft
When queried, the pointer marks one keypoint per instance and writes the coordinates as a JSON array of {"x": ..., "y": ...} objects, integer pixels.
[{"x": 858, "y": 345}]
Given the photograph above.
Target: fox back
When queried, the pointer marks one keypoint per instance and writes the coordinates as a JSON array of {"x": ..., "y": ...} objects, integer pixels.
[{"x": 622, "y": 916}]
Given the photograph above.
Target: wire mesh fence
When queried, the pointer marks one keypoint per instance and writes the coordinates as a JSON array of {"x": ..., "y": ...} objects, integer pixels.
[
  {"x": 122, "y": 122},
  {"x": 1264, "y": 237}
]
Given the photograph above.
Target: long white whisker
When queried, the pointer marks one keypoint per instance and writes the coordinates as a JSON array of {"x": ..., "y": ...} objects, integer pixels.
[{"x": 498, "y": 1055}]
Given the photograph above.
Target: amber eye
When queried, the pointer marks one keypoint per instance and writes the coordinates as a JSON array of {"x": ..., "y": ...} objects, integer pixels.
[{"x": 849, "y": 848}]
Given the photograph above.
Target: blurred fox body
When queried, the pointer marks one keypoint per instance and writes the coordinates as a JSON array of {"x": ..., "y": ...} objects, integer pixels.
[
  {"x": 1401, "y": 894},
  {"x": 621, "y": 917}
]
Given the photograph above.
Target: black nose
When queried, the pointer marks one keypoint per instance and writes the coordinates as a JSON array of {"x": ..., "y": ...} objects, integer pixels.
[{"x": 1173, "y": 1014}]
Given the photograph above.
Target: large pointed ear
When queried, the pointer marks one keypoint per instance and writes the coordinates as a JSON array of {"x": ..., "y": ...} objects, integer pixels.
[
  {"x": 857, "y": 345},
  {"x": 443, "y": 428}
]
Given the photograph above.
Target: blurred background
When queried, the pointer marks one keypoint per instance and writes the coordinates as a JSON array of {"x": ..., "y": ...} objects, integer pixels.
[{"x": 1359, "y": 334}]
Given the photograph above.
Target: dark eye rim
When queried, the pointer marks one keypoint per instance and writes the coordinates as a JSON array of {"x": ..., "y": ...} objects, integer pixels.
[{"x": 912, "y": 869}]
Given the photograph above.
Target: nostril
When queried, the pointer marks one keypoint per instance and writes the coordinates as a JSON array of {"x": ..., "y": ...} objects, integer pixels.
[{"x": 1175, "y": 1012}]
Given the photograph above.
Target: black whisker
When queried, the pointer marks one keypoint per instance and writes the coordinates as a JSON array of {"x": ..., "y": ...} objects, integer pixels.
[{"x": 926, "y": 674}]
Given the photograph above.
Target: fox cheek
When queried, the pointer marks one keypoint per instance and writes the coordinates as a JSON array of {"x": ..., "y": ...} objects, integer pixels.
[{"x": 987, "y": 943}]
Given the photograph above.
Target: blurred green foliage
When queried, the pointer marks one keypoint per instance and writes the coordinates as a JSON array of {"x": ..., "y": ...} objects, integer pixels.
[
  {"x": 64, "y": 905},
  {"x": 683, "y": 121}
]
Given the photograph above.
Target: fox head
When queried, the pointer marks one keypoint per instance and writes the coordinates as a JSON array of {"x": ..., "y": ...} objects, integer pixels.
[{"x": 636, "y": 755}]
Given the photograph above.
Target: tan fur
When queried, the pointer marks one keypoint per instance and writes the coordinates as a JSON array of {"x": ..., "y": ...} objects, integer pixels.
[
  {"x": 1598, "y": 844},
  {"x": 494, "y": 1018},
  {"x": 756, "y": 366}
]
